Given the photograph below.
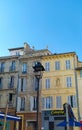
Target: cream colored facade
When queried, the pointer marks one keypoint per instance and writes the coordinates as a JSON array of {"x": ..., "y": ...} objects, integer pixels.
[
  {"x": 8, "y": 81},
  {"x": 59, "y": 83}
]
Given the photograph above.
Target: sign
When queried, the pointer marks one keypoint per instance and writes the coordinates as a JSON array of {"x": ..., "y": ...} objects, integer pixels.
[
  {"x": 57, "y": 112},
  {"x": 53, "y": 112}
]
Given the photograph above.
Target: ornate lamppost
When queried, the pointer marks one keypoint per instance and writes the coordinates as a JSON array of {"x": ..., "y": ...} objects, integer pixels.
[{"x": 38, "y": 69}]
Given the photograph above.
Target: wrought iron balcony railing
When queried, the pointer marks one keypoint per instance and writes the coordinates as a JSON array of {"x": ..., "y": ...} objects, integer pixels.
[{"x": 12, "y": 68}]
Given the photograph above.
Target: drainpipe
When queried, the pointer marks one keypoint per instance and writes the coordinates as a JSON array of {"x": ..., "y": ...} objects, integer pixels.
[{"x": 77, "y": 95}]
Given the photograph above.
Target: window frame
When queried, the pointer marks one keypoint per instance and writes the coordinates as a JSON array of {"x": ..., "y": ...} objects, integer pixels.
[
  {"x": 47, "y": 66},
  {"x": 68, "y": 64},
  {"x": 57, "y": 65}
]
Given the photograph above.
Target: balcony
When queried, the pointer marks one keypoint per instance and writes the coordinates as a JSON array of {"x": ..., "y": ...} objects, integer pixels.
[
  {"x": 11, "y": 69},
  {"x": 1, "y": 70},
  {"x": 10, "y": 104},
  {"x": 24, "y": 72},
  {"x": 11, "y": 85},
  {"x": 34, "y": 109},
  {"x": 22, "y": 109}
]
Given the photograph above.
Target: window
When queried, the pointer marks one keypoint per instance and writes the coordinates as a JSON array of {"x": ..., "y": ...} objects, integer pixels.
[
  {"x": 47, "y": 66},
  {"x": 24, "y": 68},
  {"x": 10, "y": 103},
  {"x": 67, "y": 64},
  {"x": 80, "y": 73},
  {"x": 22, "y": 107},
  {"x": 47, "y": 83},
  {"x": 21, "y": 104},
  {"x": 33, "y": 103},
  {"x": 36, "y": 84},
  {"x": 10, "y": 97},
  {"x": 11, "y": 84},
  {"x": 1, "y": 82},
  {"x": 12, "y": 67},
  {"x": 2, "y": 65},
  {"x": 57, "y": 65},
  {"x": 58, "y": 102},
  {"x": 72, "y": 101},
  {"x": 68, "y": 82},
  {"x": 22, "y": 84},
  {"x": 17, "y": 53},
  {"x": 47, "y": 102}
]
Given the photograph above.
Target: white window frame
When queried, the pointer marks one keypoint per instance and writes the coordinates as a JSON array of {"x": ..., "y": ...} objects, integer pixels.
[
  {"x": 24, "y": 67},
  {"x": 22, "y": 84},
  {"x": 72, "y": 101},
  {"x": 68, "y": 64},
  {"x": 47, "y": 83},
  {"x": 47, "y": 102},
  {"x": 22, "y": 106},
  {"x": 68, "y": 82},
  {"x": 47, "y": 66},
  {"x": 57, "y": 65},
  {"x": 33, "y": 103},
  {"x": 58, "y": 102}
]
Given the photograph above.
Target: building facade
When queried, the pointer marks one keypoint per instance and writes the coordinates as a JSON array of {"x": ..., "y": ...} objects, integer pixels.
[{"x": 58, "y": 85}]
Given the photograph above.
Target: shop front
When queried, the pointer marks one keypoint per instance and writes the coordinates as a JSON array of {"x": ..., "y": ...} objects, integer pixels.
[
  {"x": 50, "y": 119},
  {"x": 28, "y": 121}
]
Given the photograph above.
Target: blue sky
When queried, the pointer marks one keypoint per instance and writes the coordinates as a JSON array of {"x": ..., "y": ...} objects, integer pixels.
[{"x": 56, "y": 23}]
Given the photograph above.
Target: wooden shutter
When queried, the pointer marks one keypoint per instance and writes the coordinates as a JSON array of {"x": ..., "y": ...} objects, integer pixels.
[
  {"x": 31, "y": 103},
  {"x": 24, "y": 84},
  {"x": 74, "y": 101},
  {"x": 19, "y": 85},
  {"x": 18, "y": 103},
  {"x": 43, "y": 102}
]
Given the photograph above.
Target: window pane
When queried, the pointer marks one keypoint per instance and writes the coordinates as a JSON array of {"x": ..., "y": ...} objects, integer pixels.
[
  {"x": 67, "y": 64},
  {"x": 58, "y": 102},
  {"x": 68, "y": 82},
  {"x": 72, "y": 101},
  {"x": 57, "y": 65},
  {"x": 47, "y": 66},
  {"x": 24, "y": 67},
  {"x": 47, "y": 83},
  {"x": 49, "y": 102}
]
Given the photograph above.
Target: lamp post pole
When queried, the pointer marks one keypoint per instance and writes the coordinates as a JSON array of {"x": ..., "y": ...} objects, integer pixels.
[
  {"x": 38, "y": 68},
  {"x": 67, "y": 117},
  {"x": 38, "y": 79}
]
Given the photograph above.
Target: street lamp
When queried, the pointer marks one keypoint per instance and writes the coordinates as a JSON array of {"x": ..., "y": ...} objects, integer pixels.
[{"x": 38, "y": 69}]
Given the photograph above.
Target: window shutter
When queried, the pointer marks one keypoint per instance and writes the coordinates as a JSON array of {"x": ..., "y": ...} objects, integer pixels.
[
  {"x": 24, "y": 84},
  {"x": 51, "y": 102},
  {"x": 74, "y": 101},
  {"x": 18, "y": 103},
  {"x": 69, "y": 101},
  {"x": 58, "y": 102},
  {"x": 19, "y": 85},
  {"x": 31, "y": 103},
  {"x": 43, "y": 102}
]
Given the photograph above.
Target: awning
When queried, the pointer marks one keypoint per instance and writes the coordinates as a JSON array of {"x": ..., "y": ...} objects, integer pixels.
[
  {"x": 10, "y": 117},
  {"x": 71, "y": 123}
]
